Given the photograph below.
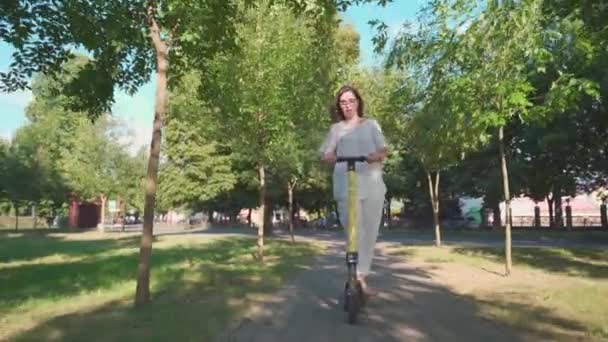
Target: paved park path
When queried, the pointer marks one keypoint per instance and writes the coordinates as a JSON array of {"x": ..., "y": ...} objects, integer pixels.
[{"x": 410, "y": 307}]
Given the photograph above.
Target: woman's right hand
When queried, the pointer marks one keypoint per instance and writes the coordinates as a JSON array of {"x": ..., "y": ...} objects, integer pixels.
[{"x": 329, "y": 157}]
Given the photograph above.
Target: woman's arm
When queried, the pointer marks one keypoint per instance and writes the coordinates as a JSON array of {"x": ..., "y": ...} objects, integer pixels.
[
  {"x": 380, "y": 145},
  {"x": 328, "y": 148},
  {"x": 329, "y": 157},
  {"x": 378, "y": 156}
]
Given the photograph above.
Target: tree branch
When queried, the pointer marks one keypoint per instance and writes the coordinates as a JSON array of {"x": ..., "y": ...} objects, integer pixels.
[{"x": 159, "y": 45}]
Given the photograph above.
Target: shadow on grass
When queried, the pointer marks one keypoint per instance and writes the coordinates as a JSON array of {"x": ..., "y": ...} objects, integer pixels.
[
  {"x": 514, "y": 318},
  {"x": 524, "y": 310},
  {"x": 195, "y": 289},
  {"x": 568, "y": 261},
  {"x": 531, "y": 321}
]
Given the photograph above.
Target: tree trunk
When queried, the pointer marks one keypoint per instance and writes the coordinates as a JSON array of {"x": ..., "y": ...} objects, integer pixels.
[
  {"x": 497, "y": 224},
  {"x": 290, "y": 186},
  {"x": 262, "y": 201},
  {"x": 142, "y": 293},
  {"x": 537, "y": 222},
  {"x": 34, "y": 216},
  {"x": 295, "y": 216},
  {"x": 249, "y": 217},
  {"x": 268, "y": 217},
  {"x": 557, "y": 201},
  {"x": 389, "y": 216},
  {"x": 505, "y": 185},
  {"x": 434, "y": 195},
  {"x": 551, "y": 216},
  {"x": 102, "y": 219},
  {"x": 15, "y": 207}
]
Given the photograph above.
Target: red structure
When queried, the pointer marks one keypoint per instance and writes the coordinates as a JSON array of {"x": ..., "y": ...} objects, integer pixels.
[{"x": 83, "y": 214}]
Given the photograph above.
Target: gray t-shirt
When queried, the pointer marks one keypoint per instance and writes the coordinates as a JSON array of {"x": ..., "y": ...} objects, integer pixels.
[{"x": 361, "y": 140}]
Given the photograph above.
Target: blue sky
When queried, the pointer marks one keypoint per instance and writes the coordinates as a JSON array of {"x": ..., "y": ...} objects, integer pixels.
[
  {"x": 137, "y": 111},
  {"x": 393, "y": 14}
]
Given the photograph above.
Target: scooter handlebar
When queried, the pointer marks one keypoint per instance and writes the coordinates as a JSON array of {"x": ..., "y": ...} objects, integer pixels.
[{"x": 351, "y": 159}]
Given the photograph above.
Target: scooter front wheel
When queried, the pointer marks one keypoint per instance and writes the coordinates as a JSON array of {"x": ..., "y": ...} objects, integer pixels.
[
  {"x": 362, "y": 297},
  {"x": 352, "y": 303}
]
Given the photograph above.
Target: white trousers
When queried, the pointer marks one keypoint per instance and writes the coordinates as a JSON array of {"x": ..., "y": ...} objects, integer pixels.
[{"x": 369, "y": 215}]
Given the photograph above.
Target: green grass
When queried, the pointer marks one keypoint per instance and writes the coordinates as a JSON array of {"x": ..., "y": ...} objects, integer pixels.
[
  {"x": 552, "y": 292},
  {"x": 61, "y": 288},
  {"x": 576, "y": 262},
  {"x": 8, "y": 222},
  {"x": 578, "y": 235}
]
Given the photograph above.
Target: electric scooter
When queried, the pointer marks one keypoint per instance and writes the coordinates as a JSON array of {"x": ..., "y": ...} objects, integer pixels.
[{"x": 354, "y": 298}]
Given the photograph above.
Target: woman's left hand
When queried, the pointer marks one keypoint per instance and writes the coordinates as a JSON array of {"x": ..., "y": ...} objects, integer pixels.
[{"x": 375, "y": 157}]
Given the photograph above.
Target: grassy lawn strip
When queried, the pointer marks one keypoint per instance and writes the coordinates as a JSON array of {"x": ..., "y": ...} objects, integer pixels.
[
  {"x": 558, "y": 293},
  {"x": 540, "y": 234},
  {"x": 58, "y": 287}
]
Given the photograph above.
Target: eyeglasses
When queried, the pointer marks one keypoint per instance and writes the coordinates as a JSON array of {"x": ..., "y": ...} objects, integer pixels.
[{"x": 349, "y": 101}]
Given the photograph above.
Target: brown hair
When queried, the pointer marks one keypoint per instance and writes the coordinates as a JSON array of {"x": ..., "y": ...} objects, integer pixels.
[{"x": 338, "y": 114}]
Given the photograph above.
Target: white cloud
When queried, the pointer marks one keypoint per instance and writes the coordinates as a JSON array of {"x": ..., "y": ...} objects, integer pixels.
[
  {"x": 6, "y": 135},
  {"x": 464, "y": 26},
  {"x": 12, "y": 111},
  {"x": 137, "y": 113},
  {"x": 405, "y": 25},
  {"x": 133, "y": 133},
  {"x": 395, "y": 28},
  {"x": 19, "y": 98},
  {"x": 140, "y": 105},
  {"x": 142, "y": 135}
]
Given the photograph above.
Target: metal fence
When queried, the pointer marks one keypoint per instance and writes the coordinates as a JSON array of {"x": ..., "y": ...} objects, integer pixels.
[{"x": 577, "y": 221}]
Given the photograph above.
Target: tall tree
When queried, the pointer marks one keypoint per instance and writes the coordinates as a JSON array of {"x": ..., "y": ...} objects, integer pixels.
[
  {"x": 91, "y": 166},
  {"x": 271, "y": 94},
  {"x": 197, "y": 167},
  {"x": 570, "y": 80},
  {"x": 66, "y": 148},
  {"x": 17, "y": 171},
  {"x": 438, "y": 128},
  {"x": 139, "y": 37},
  {"x": 493, "y": 54},
  {"x": 131, "y": 175},
  {"x": 438, "y": 138},
  {"x": 482, "y": 51},
  {"x": 45, "y": 189},
  {"x": 4, "y": 155}
]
